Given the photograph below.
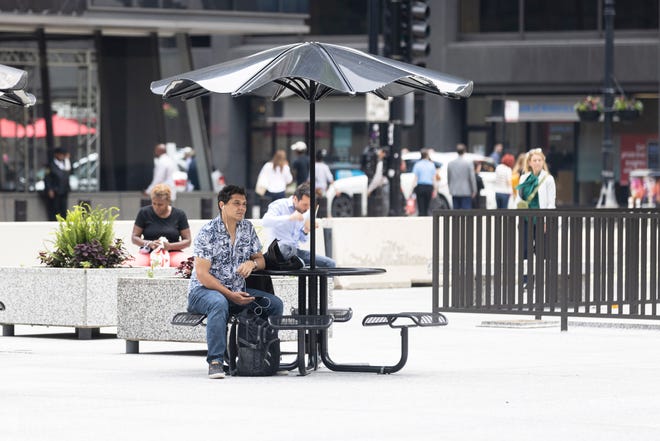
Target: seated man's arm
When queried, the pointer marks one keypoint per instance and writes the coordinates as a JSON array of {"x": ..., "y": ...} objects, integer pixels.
[
  {"x": 273, "y": 217},
  {"x": 203, "y": 271},
  {"x": 255, "y": 263}
]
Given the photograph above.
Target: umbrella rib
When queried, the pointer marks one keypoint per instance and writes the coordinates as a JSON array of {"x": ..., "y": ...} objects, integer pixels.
[
  {"x": 323, "y": 92},
  {"x": 195, "y": 94},
  {"x": 292, "y": 86},
  {"x": 302, "y": 87},
  {"x": 190, "y": 91},
  {"x": 415, "y": 84}
]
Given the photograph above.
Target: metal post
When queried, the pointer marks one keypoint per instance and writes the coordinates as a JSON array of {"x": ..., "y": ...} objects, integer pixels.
[
  {"x": 196, "y": 121},
  {"x": 45, "y": 93},
  {"x": 374, "y": 25},
  {"x": 607, "y": 198}
]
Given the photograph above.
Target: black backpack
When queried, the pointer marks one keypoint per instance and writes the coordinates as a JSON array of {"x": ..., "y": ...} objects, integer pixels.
[{"x": 254, "y": 348}]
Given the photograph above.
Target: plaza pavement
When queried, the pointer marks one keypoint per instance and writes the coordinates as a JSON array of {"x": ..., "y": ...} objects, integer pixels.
[{"x": 462, "y": 382}]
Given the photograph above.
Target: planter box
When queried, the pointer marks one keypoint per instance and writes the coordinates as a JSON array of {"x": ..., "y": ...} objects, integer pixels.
[
  {"x": 82, "y": 298},
  {"x": 146, "y": 306},
  {"x": 628, "y": 114},
  {"x": 589, "y": 115}
]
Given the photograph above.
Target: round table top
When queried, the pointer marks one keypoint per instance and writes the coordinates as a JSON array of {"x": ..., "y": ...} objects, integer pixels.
[{"x": 337, "y": 271}]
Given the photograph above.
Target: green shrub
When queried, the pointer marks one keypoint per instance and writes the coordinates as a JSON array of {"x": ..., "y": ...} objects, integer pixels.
[{"x": 85, "y": 239}]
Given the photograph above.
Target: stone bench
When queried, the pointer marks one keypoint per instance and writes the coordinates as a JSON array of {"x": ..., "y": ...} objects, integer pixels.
[{"x": 145, "y": 308}]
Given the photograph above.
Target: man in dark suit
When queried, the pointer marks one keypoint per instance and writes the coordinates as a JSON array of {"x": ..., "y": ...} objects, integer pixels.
[{"x": 57, "y": 184}]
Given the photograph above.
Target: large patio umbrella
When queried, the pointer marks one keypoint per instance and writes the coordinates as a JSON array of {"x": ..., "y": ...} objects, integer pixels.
[
  {"x": 311, "y": 71},
  {"x": 12, "y": 83}
]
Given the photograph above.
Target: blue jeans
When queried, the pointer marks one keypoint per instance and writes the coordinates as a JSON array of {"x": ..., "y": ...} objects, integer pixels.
[
  {"x": 502, "y": 200},
  {"x": 461, "y": 202},
  {"x": 202, "y": 300},
  {"x": 321, "y": 261}
]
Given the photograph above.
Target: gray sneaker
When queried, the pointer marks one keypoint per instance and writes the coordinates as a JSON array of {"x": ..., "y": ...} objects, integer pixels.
[{"x": 215, "y": 370}]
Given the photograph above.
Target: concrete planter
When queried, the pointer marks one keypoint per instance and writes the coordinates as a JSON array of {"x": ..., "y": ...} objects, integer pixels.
[{"x": 85, "y": 299}]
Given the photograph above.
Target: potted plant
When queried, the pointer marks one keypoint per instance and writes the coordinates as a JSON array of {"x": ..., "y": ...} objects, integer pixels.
[
  {"x": 85, "y": 239},
  {"x": 627, "y": 108},
  {"x": 589, "y": 109}
]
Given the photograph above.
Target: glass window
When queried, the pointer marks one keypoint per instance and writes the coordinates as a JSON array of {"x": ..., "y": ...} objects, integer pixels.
[
  {"x": 338, "y": 17},
  {"x": 636, "y": 14},
  {"x": 561, "y": 15},
  {"x": 489, "y": 16}
]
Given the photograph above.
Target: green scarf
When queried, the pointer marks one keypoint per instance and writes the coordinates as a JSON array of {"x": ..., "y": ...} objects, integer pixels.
[{"x": 527, "y": 187}]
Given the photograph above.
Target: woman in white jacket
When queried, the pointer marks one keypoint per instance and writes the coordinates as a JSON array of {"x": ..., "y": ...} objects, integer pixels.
[{"x": 537, "y": 175}]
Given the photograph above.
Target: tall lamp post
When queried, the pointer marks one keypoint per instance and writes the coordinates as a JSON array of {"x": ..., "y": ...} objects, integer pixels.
[{"x": 607, "y": 199}]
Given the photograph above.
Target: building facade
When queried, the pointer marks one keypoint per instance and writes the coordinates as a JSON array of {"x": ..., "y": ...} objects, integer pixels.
[{"x": 537, "y": 57}]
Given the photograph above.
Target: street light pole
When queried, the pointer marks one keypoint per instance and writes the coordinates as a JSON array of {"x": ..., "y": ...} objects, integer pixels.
[{"x": 607, "y": 199}]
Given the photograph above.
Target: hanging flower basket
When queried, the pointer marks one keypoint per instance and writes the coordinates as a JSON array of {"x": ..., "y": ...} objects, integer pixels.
[
  {"x": 627, "y": 109},
  {"x": 589, "y": 109}
]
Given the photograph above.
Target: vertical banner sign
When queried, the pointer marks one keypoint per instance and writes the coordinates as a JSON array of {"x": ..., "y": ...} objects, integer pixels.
[{"x": 634, "y": 155}]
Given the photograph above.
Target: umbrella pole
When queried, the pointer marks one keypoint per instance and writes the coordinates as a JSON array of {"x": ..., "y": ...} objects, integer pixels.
[{"x": 311, "y": 134}]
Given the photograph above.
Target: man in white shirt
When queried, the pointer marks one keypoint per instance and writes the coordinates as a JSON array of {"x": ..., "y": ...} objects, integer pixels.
[
  {"x": 164, "y": 169},
  {"x": 288, "y": 221}
]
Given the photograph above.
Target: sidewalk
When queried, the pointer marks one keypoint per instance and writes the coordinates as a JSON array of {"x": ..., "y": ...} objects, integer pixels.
[{"x": 462, "y": 382}]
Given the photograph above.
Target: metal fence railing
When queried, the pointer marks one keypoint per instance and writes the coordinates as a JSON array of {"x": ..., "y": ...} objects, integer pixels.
[{"x": 567, "y": 263}]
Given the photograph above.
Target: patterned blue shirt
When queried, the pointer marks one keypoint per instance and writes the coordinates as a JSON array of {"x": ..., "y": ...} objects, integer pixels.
[{"x": 213, "y": 243}]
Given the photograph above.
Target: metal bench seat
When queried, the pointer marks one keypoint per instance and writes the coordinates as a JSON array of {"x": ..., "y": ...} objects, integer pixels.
[
  {"x": 339, "y": 315},
  {"x": 405, "y": 319},
  {"x": 188, "y": 319},
  {"x": 300, "y": 322}
]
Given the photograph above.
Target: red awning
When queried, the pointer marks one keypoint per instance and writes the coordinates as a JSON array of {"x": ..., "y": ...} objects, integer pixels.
[{"x": 61, "y": 127}]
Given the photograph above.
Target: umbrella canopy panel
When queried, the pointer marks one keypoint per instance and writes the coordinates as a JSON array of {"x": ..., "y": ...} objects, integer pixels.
[{"x": 12, "y": 83}]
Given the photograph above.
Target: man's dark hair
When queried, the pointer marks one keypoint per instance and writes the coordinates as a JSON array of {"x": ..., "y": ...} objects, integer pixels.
[
  {"x": 461, "y": 148},
  {"x": 425, "y": 154},
  {"x": 302, "y": 190},
  {"x": 228, "y": 191}
]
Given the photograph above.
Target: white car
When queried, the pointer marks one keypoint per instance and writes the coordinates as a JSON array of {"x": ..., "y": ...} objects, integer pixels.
[{"x": 340, "y": 194}]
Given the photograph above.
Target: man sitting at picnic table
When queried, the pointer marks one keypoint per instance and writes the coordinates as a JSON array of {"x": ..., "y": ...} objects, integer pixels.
[
  {"x": 288, "y": 221},
  {"x": 227, "y": 250}
]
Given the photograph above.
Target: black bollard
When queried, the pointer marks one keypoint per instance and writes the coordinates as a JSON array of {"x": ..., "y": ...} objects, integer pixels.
[
  {"x": 327, "y": 240},
  {"x": 20, "y": 210},
  {"x": 323, "y": 207},
  {"x": 263, "y": 205},
  {"x": 206, "y": 208},
  {"x": 357, "y": 204}
]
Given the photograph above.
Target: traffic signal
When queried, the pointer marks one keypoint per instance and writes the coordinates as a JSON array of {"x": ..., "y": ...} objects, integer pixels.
[
  {"x": 392, "y": 29},
  {"x": 420, "y": 30},
  {"x": 406, "y": 30}
]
